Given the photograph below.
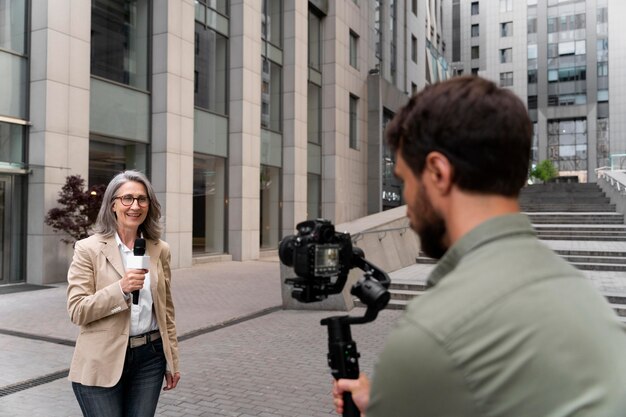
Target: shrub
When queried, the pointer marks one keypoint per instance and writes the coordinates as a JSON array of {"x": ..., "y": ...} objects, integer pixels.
[
  {"x": 544, "y": 171},
  {"x": 78, "y": 211}
]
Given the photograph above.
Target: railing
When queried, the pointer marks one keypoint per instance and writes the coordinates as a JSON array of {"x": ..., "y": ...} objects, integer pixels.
[
  {"x": 382, "y": 233},
  {"x": 615, "y": 177}
]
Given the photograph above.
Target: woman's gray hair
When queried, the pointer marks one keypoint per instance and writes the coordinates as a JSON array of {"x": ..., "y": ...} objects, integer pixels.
[{"x": 106, "y": 223}]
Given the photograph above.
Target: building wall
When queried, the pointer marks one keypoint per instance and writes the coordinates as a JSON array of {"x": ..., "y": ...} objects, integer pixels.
[
  {"x": 66, "y": 115},
  {"x": 491, "y": 43},
  {"x": 617, "y": 78}
]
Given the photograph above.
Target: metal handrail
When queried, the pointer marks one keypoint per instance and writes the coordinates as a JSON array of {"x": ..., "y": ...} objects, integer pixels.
[
  {"x": 359, "y": 235},
  {"x": 604, "y": 173}
]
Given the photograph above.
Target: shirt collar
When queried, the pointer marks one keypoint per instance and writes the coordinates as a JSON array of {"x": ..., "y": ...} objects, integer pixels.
[
  {"x": 121, "y": 244},
  {"x": 488, "y": 231}
]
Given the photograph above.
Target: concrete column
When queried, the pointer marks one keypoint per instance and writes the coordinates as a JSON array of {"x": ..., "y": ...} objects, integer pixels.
[
  {"x": 59, "y": 132},
  {"x": 295, "y": 87},
  {"x": 172, "y": 121},
  {"x": 244, "y": 130}
]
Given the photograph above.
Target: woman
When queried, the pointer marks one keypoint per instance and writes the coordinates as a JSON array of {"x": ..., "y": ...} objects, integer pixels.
[{"x": 124, "y": 350}]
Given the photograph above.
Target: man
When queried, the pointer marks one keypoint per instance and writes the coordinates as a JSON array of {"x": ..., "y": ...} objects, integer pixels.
[{"x": 508, "y": 329}]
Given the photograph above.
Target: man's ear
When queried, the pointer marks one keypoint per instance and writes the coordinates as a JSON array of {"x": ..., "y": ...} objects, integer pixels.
[{"x": 439, "y": 171}]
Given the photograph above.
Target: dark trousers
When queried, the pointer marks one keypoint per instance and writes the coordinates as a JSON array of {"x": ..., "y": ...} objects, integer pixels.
[{"x": 137, "y": 392}]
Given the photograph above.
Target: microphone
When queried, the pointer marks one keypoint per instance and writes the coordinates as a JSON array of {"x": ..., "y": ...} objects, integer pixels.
[{"x": 138, "y": 261}]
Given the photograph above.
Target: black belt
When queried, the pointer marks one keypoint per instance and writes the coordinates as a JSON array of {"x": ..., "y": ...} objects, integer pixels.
[{"x": 142, "y": 339}]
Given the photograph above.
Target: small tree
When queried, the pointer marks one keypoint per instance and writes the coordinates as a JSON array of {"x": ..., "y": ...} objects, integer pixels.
[
  {"x": 544, "y": 171},
  {"x": 78, "y": 211}
]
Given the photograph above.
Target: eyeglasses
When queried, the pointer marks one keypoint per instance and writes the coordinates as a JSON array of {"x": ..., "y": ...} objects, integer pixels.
[{"x": 128, "y": 200}]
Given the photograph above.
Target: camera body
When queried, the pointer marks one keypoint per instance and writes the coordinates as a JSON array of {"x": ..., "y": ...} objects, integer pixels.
[{"x": 317, "y": 254}]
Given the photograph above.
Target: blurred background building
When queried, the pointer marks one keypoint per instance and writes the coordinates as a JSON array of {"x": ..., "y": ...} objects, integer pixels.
[
  {"x": 565, "y": 58},
  {"x": 249, "y": 116}
]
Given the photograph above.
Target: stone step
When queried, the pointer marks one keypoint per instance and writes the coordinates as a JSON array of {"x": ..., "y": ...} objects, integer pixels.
[
  {"x": 583, "y": 237},
  {"x": 589, "y": 233},
  {"x": 581, "y": 227},
  {"x": 400, "y": 299},
  {"x": 599, "y": 266},
  {"x": 539, "y": 208},
  {"x": 615, "y": 260}
]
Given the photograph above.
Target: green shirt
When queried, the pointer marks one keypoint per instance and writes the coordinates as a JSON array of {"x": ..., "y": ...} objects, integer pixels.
[{"x": 509, "y": 330}]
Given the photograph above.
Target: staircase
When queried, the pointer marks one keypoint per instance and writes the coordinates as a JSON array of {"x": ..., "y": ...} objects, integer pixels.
[{"x": 578, "y": 222}]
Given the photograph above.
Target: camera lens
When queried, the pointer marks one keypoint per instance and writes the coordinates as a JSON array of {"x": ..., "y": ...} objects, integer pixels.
[{"x": 286, "y": 250}]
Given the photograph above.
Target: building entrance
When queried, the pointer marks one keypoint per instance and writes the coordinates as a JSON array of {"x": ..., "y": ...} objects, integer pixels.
[{"x": 11, "y": 229}]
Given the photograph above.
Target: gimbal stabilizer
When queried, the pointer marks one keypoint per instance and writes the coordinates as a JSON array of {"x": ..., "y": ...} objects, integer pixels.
[{"x": 343, "y": 357}]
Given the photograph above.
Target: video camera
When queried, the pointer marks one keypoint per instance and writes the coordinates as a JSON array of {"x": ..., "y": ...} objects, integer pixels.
[{"x": 322, "y": 259}]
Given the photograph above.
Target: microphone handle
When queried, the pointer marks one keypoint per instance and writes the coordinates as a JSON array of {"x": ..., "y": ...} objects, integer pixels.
[{"x": 136, "y": 297}]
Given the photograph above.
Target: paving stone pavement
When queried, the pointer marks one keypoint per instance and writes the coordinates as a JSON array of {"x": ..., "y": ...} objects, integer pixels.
[
  {"x": 273, "y": 364},
  {"x": 270, "y": 364}
]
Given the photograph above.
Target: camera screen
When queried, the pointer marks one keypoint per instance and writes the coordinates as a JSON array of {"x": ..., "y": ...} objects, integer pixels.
[{"x": 326, "y": 260}]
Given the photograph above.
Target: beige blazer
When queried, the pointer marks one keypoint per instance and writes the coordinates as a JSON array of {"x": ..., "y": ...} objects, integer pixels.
[{"x": 96, "y": 303}]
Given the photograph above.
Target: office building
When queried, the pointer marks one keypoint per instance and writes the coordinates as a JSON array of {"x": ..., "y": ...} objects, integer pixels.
[
  {"x": 565, "y": 59},
  {"x": 249, "y": 116}
]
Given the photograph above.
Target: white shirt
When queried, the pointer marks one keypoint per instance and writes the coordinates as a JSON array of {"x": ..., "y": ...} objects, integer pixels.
[{"x": 141, "y": 318}]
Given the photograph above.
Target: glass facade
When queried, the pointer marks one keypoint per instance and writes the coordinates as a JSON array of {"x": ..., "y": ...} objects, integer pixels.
[
  {"x": 271, "y": 95},
  {"x": 271, "y": 123},
  {"x": 392, "y": 186},
  {"x": 314, "y": 119},
  {"x": 13, "y": 59},
  {"x": 603, "y": 143},
  {"x": 567, "y": 144},
  {"x": 211, "y": 70},
  {"x": 353, "y": 122},
  {"x": 211, "y": 43},
  {"x": 270, "y": 206},
  {"x": 209, "y": 204},
  {"x": 108, "y": 158},
  {"x": 119, "y": 41}
]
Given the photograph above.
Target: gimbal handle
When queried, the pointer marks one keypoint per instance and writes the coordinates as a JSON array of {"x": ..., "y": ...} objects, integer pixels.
[{"x": 343, "y": 357}]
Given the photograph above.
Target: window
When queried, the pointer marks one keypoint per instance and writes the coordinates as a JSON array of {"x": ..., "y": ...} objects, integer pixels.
[
  {"x": 315, "y": 41},
  {"x": 119, "y": 41},
  {"x": 602, "y": 142},
  {"x": 413, "y": 48},
  {"x": 567, "y": 144},
  {"x": 603, "y": 95},
  {"x": 532, "y": 76},
  {"x": 532, "y": 51},
  {"x": 475, "y": 31},
  {"x": 413, "y": 88},
  {"x": 269, "y": 182},
  {"x": 532, "y": 25},
  {"x": 353, "y": 138},
  {"x": 506, "y": 29},
  {"x": 314, "y": 108},
  {"x": 107, "y": 158},
  {"x": 475, "y": 71},
  {"x": 13, "y": 26},
  {"x": 354, "y": 45},
  {"x": 414, "y": 7},
  {"x": 506, "y": 79},
  {"x": 208, "y": 208},
  {"x": 475, "y": 52},
  {"x": 506, "y": 6},
  {"x": 474, "y": 8},
  {"x": 271, "y": 95},
  {"x": 211, "y": 70},
  {"x": 271, "y": 23},
  {"x": 532, "y": 102},
  {"x": 506, "y": 55},
  {"x": 603, "y": 69},
  {"x": 603, "y": 50}
]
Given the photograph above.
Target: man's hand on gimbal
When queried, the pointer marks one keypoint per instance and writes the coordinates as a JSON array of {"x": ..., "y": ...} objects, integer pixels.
[{"x": 360, "y": 389}]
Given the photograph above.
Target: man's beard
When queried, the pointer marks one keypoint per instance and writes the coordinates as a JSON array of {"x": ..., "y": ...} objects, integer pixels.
[{"x": 432, "y": 230}]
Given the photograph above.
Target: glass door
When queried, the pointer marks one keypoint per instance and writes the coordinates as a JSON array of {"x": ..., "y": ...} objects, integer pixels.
[{"x": 11, "y": 229}]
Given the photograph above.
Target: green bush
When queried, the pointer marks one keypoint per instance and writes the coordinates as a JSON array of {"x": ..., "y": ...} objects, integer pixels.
[{"x": 544, "y": 171}]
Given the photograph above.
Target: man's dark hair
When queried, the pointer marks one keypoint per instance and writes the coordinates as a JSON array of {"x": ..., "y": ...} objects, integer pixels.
[{"x": 483, "y": 130}]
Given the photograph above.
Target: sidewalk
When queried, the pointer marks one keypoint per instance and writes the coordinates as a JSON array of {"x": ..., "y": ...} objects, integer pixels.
[
  {"x": 241, "y": 355},
  {"x": 270, "y": 363}
]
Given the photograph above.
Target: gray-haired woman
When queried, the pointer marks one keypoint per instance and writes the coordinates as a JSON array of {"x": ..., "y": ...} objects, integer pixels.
[{"x": 124, "y": 350}]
